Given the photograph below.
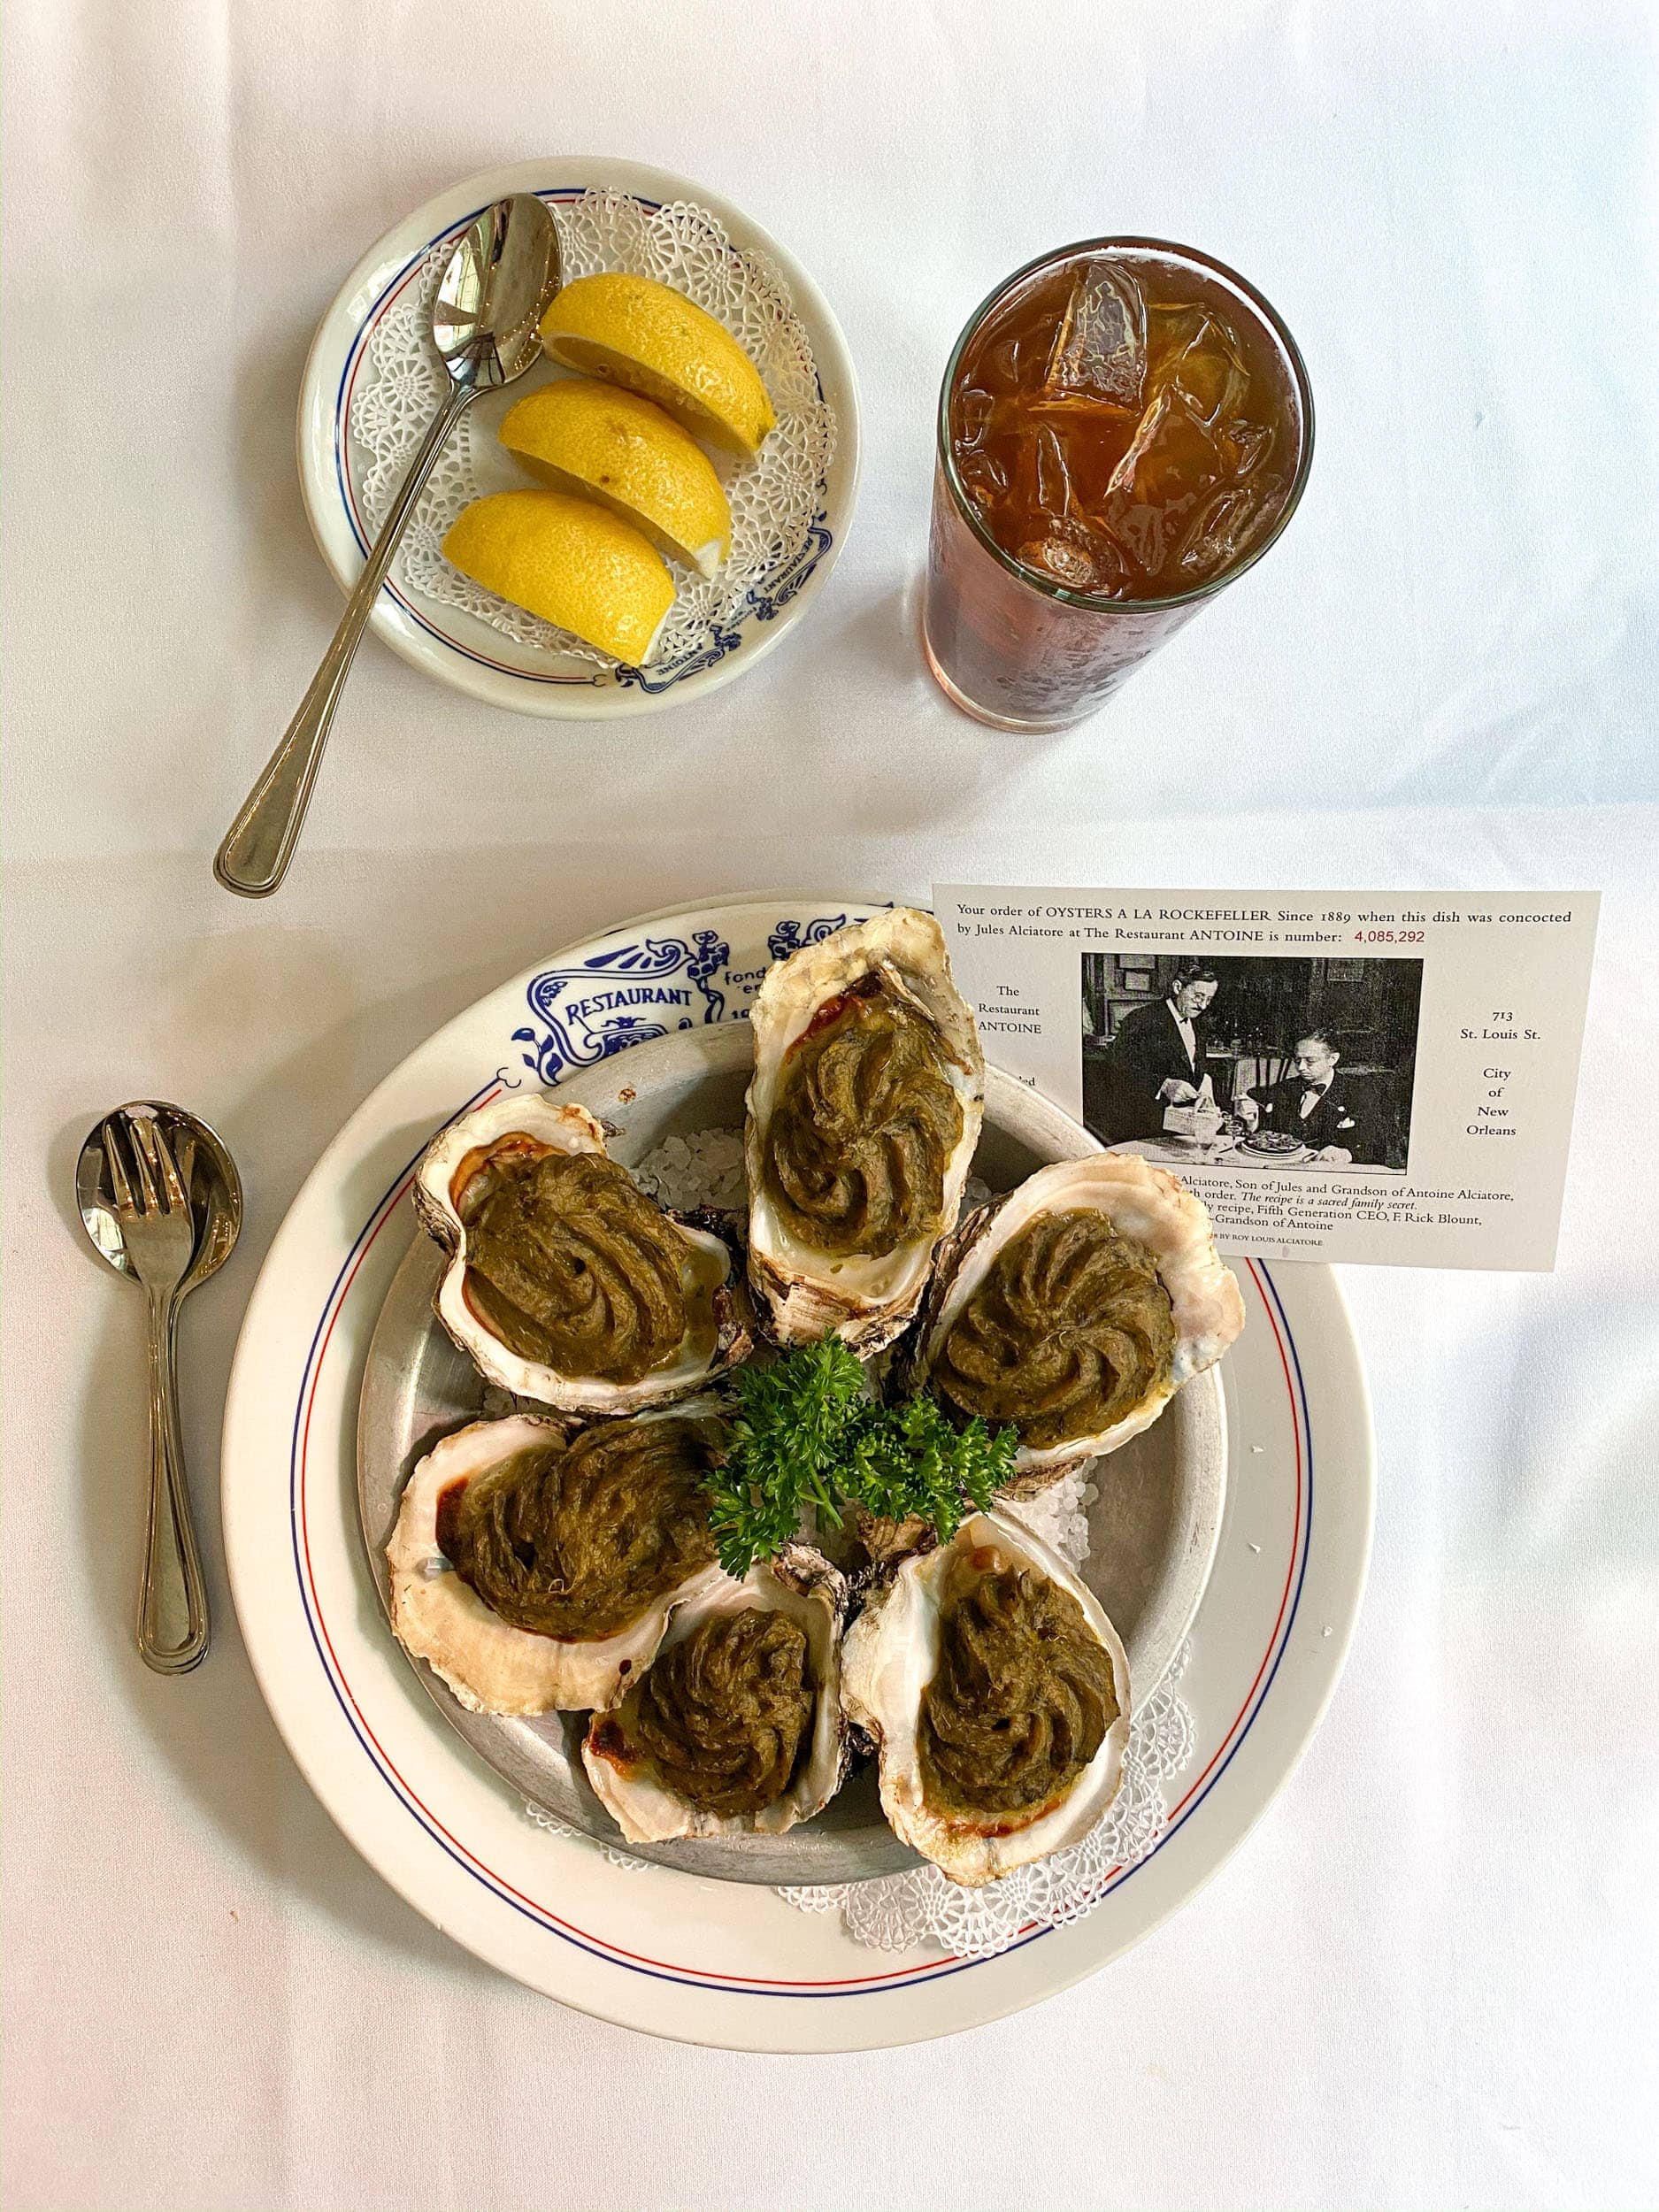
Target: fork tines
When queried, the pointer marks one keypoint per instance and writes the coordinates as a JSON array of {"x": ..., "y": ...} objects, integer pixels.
[{"x": 153, "y": 1163}]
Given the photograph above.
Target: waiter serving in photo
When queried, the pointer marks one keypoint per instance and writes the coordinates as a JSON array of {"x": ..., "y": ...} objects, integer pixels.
[
  {"x": 1315, "y": 1105},
  {"x": 1157, "y": 1059}
]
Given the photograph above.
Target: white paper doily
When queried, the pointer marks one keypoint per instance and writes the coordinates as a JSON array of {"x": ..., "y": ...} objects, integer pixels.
[
  {"x": 898, "y": 1912},
  {"x": 777, "y": 499}
]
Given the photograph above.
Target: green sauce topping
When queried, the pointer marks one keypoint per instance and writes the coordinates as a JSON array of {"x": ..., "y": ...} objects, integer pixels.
[
  {"x": 569, "y": 1264},
  {"x": 723, "y": 1715},
  {"x": 1023, "y": 1695},
  {"x": 579, "y": 1542},
  {"x": 863, "y": 1128},
  {"x": 1067, "y": 1332}
]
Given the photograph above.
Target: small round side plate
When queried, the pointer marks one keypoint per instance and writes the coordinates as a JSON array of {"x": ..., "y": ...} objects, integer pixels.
[{"x": 455, "y": 646}]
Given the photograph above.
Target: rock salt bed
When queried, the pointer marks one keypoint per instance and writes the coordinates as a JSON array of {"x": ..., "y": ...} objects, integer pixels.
[
  {"x": 705, "y": 1169},
  {"x": 1059, "y": 1515}
]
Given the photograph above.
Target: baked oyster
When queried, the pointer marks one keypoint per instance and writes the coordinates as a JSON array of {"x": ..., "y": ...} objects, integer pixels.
[
  {"x": 535, "y": 1568},
  {"x": 997, "y": 1694},
  {"x": 863, "y": 1113},
  {"x": 1075, "y": 1309},
  {"x": 568, "y": 1285},
  {"x": 736, "y": 1727}
]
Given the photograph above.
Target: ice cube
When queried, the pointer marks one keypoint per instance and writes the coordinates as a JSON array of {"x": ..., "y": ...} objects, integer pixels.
[
  {"x": 1171, "y": 458},
  {"x": 1099, "y": 349},
  {"x": 1077, "y": 558},
  {"x": 1142, "y": 535},
  {"x": 970, "y": 416},
  {"x": 1227, "y": 526},
  {"x": 1170, "y": 330},
  {"x": 1054, "y": 478},
  {"x": 1208, "y": 371},
  {"x": 1247, "y": 445},
  {"x": 984, "y": 478},
  {"x": 1042, "y": 483},
  {"x": 1002, "y": 367}
]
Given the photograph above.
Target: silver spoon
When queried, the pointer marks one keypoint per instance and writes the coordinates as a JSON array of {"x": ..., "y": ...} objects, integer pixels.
[
  {"x": 499, "y": 283},
  {"x": 173, "y": 1624}
]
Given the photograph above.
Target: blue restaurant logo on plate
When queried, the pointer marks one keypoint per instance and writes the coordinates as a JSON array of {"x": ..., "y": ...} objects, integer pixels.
[
  {"x": 623, "y": 996},
  {"x": 587, "y": 1009},
  {"x": 765, "y": 599}
]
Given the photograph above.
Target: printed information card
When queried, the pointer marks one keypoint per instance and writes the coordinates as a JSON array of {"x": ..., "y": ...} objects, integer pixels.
[{"x": 1373, "y": 1076}]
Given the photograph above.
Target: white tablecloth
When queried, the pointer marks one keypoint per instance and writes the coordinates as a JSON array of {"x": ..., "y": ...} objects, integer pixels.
[{"x": 1428, "y": 1978}]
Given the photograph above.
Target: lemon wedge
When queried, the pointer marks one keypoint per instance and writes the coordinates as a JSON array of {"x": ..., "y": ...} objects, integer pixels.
[
  {"x": 568, "y": 561},
  {"x": 610, "y": 446},
  {"x": 653, "y": 340}
]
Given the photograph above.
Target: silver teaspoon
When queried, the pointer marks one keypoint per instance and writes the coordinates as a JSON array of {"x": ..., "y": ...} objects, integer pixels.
[
  {"x": 499, "y": 282},
  {"x": 169, "y": 1233}
]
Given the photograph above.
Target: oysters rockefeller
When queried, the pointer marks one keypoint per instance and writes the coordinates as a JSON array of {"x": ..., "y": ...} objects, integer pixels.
[
  {"x": 535, "y": 1570},
  {"x": 746, "y": 1564},
  {"x": 567, "y": 1284},
  {"x": 997, "y": 1694},
  {"x": 737, "y": 1725},
  {"x": 863, "y": 1113},
  {"x": 1075, "y": 1308}
]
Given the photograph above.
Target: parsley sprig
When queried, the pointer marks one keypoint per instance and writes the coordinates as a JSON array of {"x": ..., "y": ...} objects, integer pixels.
[{"x": 806, "y": 1434}]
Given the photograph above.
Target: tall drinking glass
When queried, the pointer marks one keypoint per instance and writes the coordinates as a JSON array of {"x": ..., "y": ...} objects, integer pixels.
[{"x": 1125, "y": 427}]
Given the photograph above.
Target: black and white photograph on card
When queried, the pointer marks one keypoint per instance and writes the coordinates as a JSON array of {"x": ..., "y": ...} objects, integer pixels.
[{"x": 1251, "y": 1061}]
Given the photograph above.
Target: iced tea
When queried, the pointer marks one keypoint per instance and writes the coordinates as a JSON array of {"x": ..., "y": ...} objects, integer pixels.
[{"x": 1123, "y": 427}]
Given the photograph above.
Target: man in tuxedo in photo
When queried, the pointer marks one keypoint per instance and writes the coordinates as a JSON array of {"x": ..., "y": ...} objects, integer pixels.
[
  {"x": 1156, "y": 1058},
  {"x": 1316, "y": 1105}
]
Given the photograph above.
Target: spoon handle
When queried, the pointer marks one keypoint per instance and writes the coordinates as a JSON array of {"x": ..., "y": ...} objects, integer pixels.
[
  {"x": 260, "y": 842},
  {"x": 172, "y": 1604}
]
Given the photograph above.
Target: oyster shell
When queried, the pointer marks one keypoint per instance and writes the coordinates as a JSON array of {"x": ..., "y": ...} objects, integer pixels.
[
  {"x": 737, "y": 1727},
  {"x": 863, "y": 1113},
  {"x": 634, "y": 1306},
  {"x": 997, "y": 1694},
  {"x": 1075, "y": 1308},
  {"x": 494, "y": 1666}
]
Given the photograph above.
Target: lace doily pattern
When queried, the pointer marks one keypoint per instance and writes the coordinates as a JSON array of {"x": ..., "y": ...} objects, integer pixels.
[
  {"x": 555, "y": 1827},
  {"x": 779, "y": 531},
  {"x": 903, "y": 1912}
]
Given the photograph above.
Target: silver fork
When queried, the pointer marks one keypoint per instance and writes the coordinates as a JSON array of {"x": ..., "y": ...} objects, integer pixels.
[{"x": 159, "y": 1234}]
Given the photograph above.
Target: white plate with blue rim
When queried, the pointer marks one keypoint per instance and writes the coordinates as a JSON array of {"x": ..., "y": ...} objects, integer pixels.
[
  {"x": 495, "y": 652},
  {"x": 651, "y": 1946}
]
